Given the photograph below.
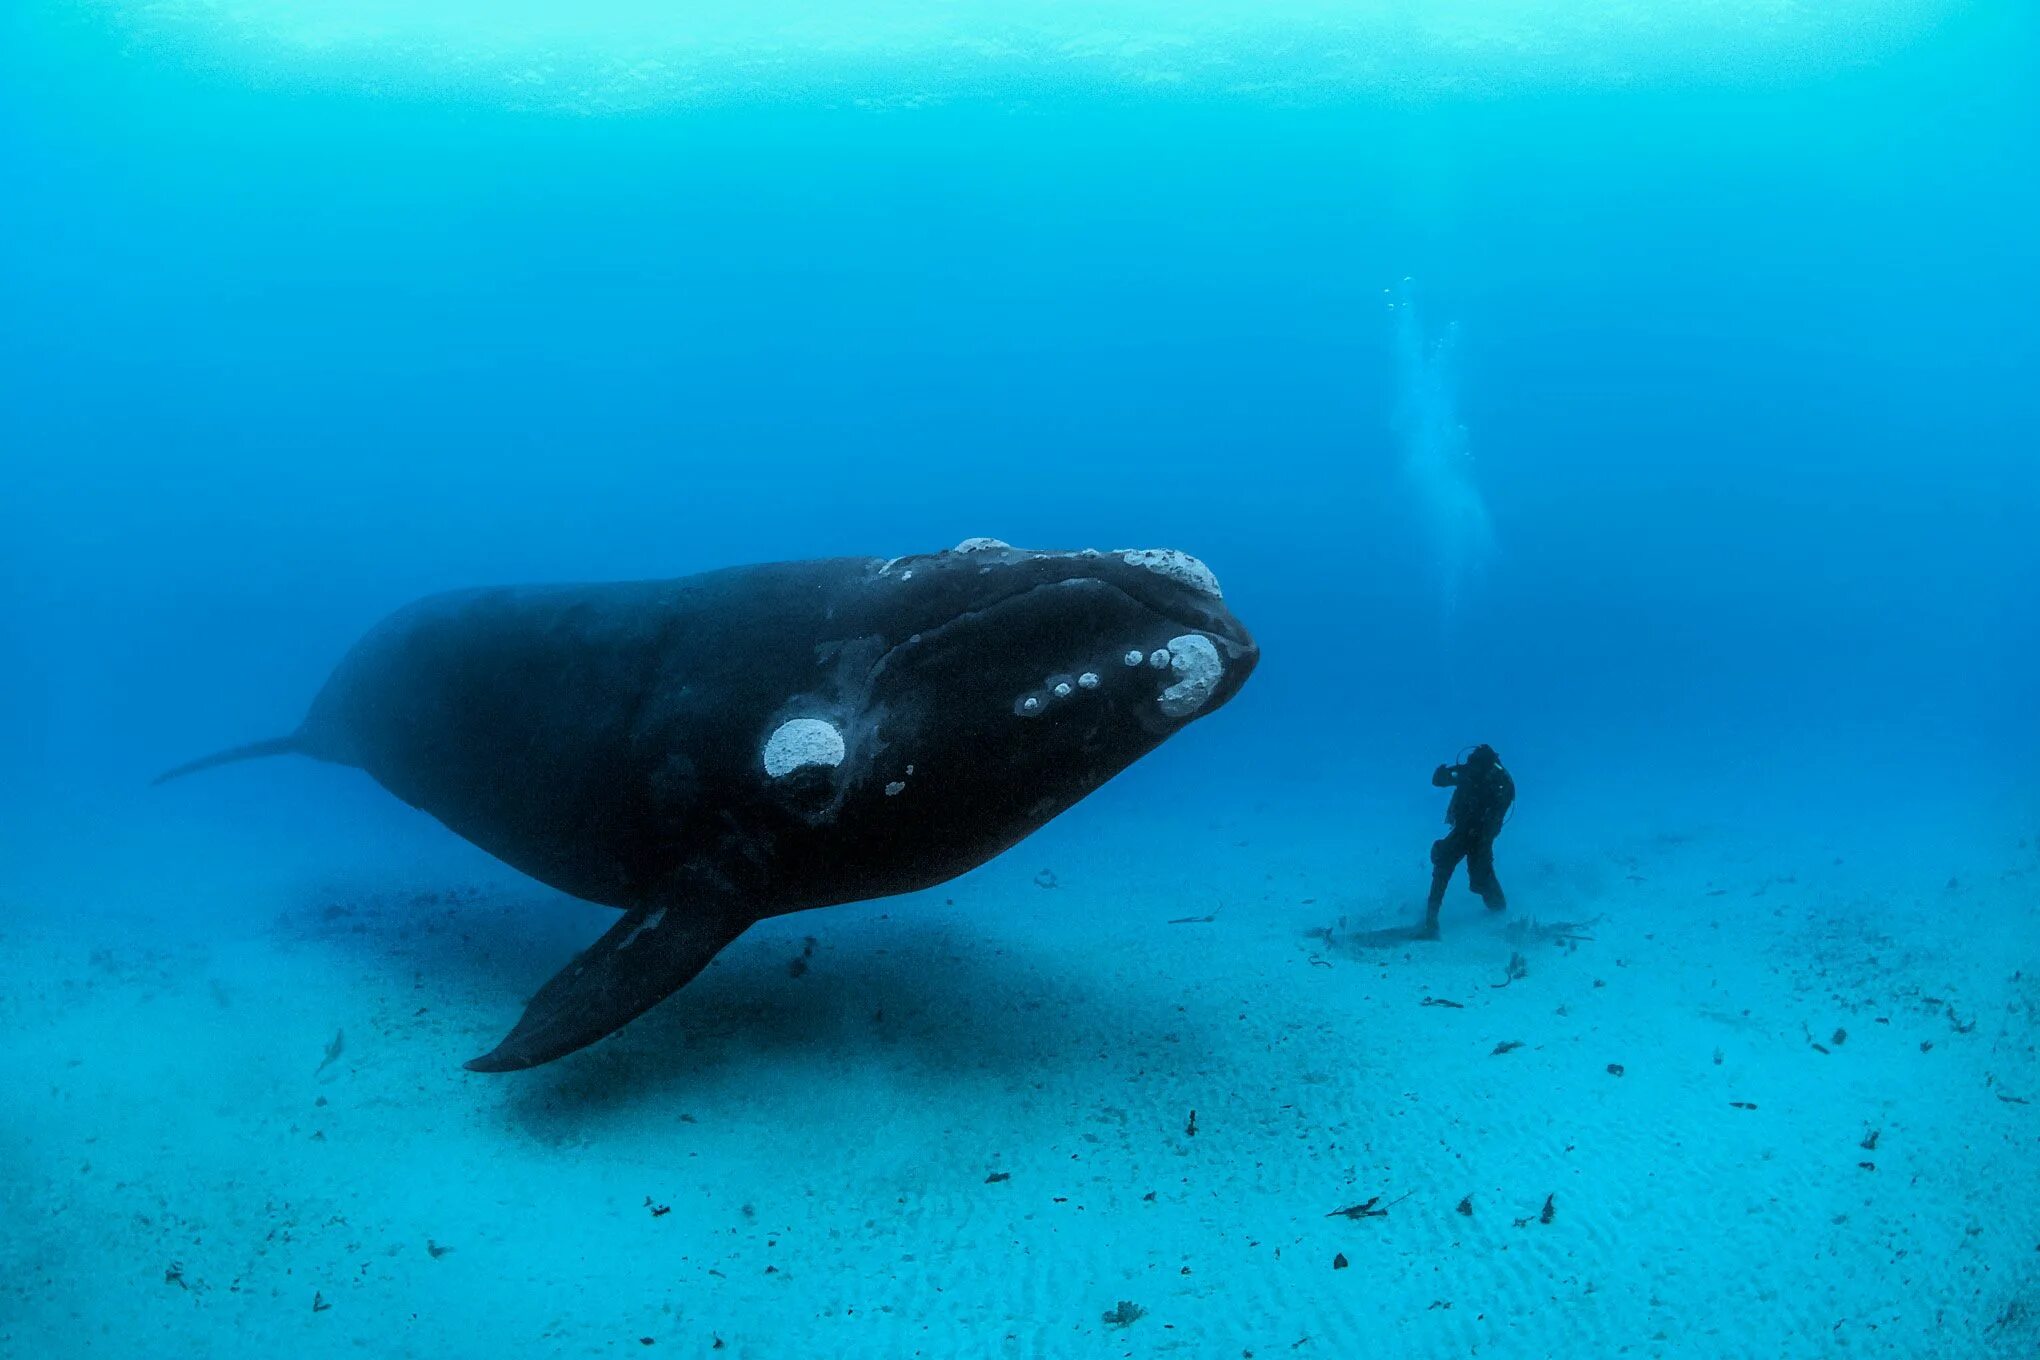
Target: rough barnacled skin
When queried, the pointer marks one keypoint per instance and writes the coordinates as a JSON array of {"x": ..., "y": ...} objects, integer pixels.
[{"x": 707, "y": 751}]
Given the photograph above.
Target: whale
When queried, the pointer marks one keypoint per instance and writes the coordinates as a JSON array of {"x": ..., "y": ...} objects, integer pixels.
[{"x": 705, "y": 752}]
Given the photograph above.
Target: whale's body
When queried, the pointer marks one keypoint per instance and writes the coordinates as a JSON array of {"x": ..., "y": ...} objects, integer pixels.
[{"x": 708, "y": 751}]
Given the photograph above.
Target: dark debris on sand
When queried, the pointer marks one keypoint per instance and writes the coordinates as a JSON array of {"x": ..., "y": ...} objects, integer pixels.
[{"x": 1125, "y": 1314}]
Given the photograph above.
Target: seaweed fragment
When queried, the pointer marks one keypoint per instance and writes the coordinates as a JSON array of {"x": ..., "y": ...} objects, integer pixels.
[
  {"x": 334, "y": 1047},
  {"x": 1125, "y": 1315},
  {"x": 1518, "y": 968},
  {"x": 1373, "y": 1208},
  {"x": 1567, "y": 934}
]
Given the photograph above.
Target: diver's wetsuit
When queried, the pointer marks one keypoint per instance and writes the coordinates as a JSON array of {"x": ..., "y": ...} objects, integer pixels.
[{"x": 1481, "y": 794}]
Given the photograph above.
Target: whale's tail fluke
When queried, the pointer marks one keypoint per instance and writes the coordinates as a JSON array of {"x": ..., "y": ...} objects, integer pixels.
[{"x": 254, "y": 750}]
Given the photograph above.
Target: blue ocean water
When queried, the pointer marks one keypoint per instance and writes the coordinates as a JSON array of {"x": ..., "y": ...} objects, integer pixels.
[{"x": 1650, "y": 398}]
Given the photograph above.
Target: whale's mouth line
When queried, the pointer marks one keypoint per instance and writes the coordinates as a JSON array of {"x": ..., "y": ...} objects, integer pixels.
[{"x": 984, "y": 611}]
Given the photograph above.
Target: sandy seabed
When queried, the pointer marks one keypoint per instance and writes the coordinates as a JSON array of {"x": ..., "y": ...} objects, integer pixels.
[{"x": 1694, "y": 1095}]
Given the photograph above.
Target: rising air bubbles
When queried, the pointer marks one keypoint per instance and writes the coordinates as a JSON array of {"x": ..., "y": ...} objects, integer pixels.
[{"x": 1436, "y": 456}]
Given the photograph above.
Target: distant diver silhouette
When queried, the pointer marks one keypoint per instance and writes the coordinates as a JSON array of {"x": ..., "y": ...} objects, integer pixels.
[{"x": 1482, "y": 792}]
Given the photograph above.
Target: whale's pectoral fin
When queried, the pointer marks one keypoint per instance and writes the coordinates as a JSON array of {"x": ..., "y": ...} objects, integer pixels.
[{"x": 643, "y": 959}]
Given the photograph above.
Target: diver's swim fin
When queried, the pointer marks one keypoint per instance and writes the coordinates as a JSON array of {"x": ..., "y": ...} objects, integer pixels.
[
  {"x": 643, "y": 959},
  {"x": 254, "y": 750}
]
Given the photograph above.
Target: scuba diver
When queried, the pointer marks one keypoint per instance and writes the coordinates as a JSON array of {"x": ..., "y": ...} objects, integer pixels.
[{"x": 1481, "y": 794}]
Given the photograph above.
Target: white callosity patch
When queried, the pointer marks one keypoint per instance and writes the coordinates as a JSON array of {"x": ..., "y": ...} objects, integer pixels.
[
  {"x": 972, "y": 545},
  {"x": 1159, "y": 657},
  {"x": 896, "y": 788},
  {"x": 1180, "y": 567},
  {"x": 1133, "y": 657},
  {"x": 1054, "y": 690},
  {"x": 1197, "y": 668},
  {"x": 800, "y": 742}
]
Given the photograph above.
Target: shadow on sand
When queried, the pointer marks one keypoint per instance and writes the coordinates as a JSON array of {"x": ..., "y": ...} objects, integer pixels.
[{"x": 907, "y": 988}]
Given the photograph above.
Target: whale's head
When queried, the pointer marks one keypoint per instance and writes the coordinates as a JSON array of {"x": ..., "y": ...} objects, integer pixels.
[
  {"x": 1103, "y": 649},
  {"x": 1011, "y": 684}
]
